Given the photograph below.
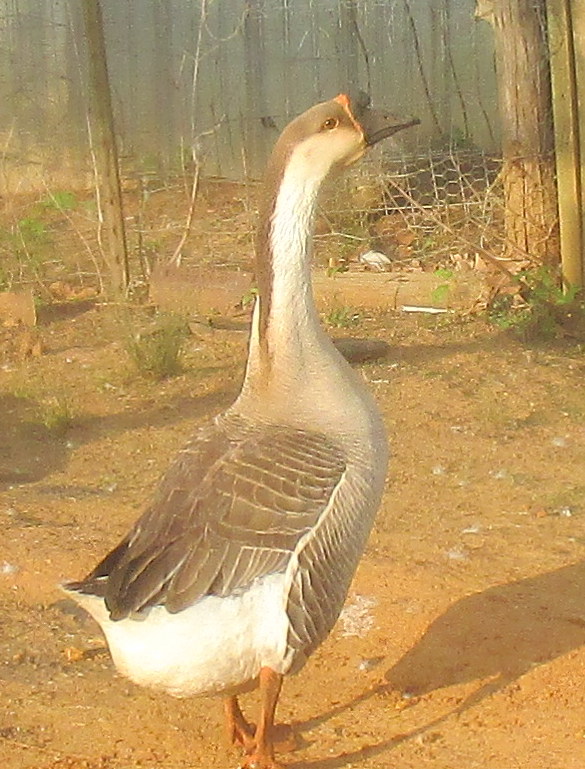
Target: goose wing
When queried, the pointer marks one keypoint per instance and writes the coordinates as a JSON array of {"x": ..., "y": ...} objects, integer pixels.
[{"x": 228, "y": 510}]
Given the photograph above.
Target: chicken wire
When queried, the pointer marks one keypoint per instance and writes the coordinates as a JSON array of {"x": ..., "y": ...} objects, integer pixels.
[
  {"x": 440, "y": 209},
  {"x": 222, "y": 79}
]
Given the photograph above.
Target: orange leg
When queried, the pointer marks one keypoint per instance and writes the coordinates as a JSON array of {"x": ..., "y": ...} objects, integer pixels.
[
  {"x": 239, "y": 730},
  {"x": 263, "y": 755}
]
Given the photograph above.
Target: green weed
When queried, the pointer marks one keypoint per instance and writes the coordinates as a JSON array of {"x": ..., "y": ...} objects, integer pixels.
[
  {"x": 56, "y": 414},
  {"x": 30, "y": 240},
  {"x": 336, "y": 269},
  {"x": 544, "y": 306},
  {"x": 342, "y": 317},
  {"x": 440, "y": 294},
  {"x": 32, "y": 230},
  {"x": 60, "y": 201},
  {"x": 156, "y": 353},
  {"x": 249, "y": 297}
]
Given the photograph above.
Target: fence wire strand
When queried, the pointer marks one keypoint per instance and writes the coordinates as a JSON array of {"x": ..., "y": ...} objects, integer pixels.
[{"x": 436, "y": 199}]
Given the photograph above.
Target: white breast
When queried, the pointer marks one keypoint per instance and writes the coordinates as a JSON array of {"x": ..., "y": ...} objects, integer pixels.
[{"x": 214, "y": 646}]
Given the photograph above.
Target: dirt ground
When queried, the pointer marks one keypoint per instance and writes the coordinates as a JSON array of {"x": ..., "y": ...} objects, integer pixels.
[{"x": 463, "y": 641}]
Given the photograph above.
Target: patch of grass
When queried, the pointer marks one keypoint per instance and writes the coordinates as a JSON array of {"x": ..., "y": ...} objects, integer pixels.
[
  {"x": 429, "y": 246},
  {"x": 342, "y": 317},
  {"x": 543, "y": 305},
  {"x": 440, "y": 294},
  {"x": 56, "y": 414},
  {"x": 60, "y": 201},
  {"x": 503, "y": 313},
  {"x": 156, "y": 353},
  {"x": 29, "y": 241},
  {"x": 26, "y": 245},
  {"x": 32, "y": 229},
  {"x": 335, "y": 269}
]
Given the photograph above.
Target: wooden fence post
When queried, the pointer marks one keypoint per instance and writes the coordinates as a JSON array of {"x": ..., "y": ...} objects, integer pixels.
[
  {"x": 570, "y": 158},
  {"x": 258, "y": 119},
  {"x": 578, "y": 12},
  {"x": 104, "y": 147}
]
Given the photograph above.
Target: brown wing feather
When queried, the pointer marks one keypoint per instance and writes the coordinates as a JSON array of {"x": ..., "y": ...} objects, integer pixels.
[{"x": 231, "y": 508}]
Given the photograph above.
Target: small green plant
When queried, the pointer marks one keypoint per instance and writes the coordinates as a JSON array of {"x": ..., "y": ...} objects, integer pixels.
[
  {"x": 32, "y": 230},
  {"x": 440, "y": 294},
  {"x": 542, "y": 307},
  {"x": 429, "y": 245},
  {"x": 342, "y": 317},
  {"x": 444, "y": 272},
  {"x": 156, "y": 353},
  {"x": 60, "y": 201},
  {"x": 249, "y": 297},
  {"x": 30, "y": 240},
  {"x": 544, "y": 286},
  {"x": 336, "y": 269},
  {"x": 56, "y": 414},
  {"x": 507, "y": 315}
]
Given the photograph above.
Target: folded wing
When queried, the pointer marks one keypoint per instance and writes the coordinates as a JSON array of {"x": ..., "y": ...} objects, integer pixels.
[{"x": 231, "y": 508}]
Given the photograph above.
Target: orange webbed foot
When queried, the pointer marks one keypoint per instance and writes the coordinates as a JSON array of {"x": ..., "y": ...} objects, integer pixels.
[
  {"x": 244, "y": 737},
  {"x": 282, "y": 736}
]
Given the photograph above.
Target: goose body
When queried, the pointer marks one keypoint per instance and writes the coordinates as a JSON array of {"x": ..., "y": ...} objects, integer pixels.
[{"x": 240, "y": 566}]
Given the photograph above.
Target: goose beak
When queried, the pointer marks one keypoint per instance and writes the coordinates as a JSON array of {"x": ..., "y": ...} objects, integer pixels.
[
  {"x": 375, "y": 124},
  {"x": 378, "y": 125}
]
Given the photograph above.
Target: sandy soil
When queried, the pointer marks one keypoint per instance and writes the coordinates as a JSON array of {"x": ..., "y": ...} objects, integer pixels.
[{"x": 463, "y": 644}]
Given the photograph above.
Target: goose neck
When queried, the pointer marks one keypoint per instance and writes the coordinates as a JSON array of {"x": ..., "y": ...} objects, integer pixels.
[{"x": 288, "y": 321}]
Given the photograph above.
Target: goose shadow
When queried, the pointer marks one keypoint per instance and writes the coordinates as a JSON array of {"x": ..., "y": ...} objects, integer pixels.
[
  {"x": 499, "y": 634},
  {"x": 410, "y": 353},
  {"x": 492, "y": 637}
]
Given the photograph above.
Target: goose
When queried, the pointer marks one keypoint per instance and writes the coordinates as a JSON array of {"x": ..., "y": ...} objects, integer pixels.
[{"x": 240, "y": 566}]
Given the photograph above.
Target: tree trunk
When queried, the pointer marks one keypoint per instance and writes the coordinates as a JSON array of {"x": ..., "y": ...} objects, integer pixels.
[
  {"x": 528, "y": 176},
  {"x": 105, "y": 151}
]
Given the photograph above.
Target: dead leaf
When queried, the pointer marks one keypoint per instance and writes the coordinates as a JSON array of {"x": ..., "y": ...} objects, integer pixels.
[
  {"x": 73, "y": 654},
  {"x": 405, "y": 237}
]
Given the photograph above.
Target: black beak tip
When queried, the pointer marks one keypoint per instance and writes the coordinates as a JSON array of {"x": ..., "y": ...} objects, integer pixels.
[{"x": 378, "y": 126}]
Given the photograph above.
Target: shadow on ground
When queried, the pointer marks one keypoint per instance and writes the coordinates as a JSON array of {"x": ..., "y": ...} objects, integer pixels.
[
  {"x": 28, "y": 449},
  {"x": 499, "y": 635}
]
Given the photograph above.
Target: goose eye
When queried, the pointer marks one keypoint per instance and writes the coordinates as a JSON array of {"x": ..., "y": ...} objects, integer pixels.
[{"x": 330, "y": 124}]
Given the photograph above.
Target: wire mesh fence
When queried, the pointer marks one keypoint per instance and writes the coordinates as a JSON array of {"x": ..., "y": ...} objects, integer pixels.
[{"x": 215, "y": 81}]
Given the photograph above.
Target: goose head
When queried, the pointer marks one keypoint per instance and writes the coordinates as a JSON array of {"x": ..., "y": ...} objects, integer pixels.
[{"x": 333, "y": 135}]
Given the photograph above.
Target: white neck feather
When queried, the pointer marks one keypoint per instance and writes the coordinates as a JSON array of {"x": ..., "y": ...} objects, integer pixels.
[
  {"x": 294, "y": 371},
  {"x": 291, "y": 233},
  {"x": 293, "y": 344}
]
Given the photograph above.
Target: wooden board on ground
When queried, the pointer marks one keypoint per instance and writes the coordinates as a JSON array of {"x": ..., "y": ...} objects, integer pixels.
[
  {"x": 194, "y": 290},
  {"x": 391, "y": 291},
  {"x": 204, "y": 291}
]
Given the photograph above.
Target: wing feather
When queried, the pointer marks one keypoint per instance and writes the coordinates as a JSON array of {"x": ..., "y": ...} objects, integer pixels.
[{"x": 231, "y": 508}]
